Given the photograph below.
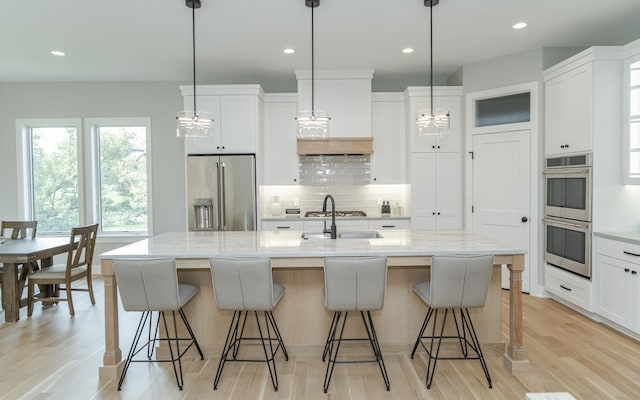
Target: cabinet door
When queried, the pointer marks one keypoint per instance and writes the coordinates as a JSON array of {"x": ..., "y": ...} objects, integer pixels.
[
  {"x": 423, "y": 184},
  {"x": 568, "y": 111},
  {"x": 210, "y": 104},
  {"x": 388, "y": 158},
  {"x": 450, "y": 142},
  {"x": 279, "y": 140},
  {"x": 384, "y": 224},
  {"x": 281, "y": 225},
  {"x": 448, "y": 191},
  {"x": 615, "y": 290},
  {"x": 238, "y": 123}
]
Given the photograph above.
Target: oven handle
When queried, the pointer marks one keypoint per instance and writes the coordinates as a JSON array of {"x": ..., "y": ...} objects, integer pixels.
[
  {"x": 567, "y": 171},
  {"x": 566, "y": 223}
]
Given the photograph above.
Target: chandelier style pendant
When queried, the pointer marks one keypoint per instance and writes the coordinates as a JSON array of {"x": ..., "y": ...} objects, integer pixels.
[
  {"x": 193, "y": 124},
  {"x": 312, "y": 124},
  {"x": 434, "y": 121}
]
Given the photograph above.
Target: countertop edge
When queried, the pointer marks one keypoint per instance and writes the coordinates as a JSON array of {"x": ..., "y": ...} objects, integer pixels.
[{"x": 631, "y": 237}]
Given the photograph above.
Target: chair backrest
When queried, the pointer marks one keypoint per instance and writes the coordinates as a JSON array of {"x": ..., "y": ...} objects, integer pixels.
[
  {"x": 147, "y": 284},
  {"x": 19, "y": 229},
  {"x": 355, "y": 283},
  {"x": 460, "y": 281},
  {"x": 242, "y": 283},
  {"x": 82, "y": 254}
]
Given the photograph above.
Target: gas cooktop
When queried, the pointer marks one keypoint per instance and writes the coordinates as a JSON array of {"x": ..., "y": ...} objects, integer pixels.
[{"x": 338, "y": 214}]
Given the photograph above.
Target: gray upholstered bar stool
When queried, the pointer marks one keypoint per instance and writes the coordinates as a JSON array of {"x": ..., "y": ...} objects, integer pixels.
[
  {"x": 457, "y": 283},
  {"x": 151, "y": 285},
  {"x": 353, "y": 284},
  {"x": 244, "y": 285}
]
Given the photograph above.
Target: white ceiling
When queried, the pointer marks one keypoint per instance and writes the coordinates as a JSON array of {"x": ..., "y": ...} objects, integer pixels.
[{"x": 241, "y": 41}]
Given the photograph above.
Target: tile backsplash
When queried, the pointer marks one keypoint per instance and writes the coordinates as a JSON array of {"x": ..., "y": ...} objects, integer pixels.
[
  {"x": 334, "y": 170},
  {"x": 347, "y": 197}
]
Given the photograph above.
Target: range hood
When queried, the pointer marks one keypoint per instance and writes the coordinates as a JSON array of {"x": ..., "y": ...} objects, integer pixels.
[{"x": 333, "y": 146}]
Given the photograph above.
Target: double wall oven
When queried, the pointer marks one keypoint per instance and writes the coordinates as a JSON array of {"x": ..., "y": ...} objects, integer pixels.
[{"x": 568, "y": 187}]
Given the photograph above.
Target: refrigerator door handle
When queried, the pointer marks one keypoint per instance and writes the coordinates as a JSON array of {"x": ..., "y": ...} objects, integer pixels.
[{"x": 223, "y": 198}]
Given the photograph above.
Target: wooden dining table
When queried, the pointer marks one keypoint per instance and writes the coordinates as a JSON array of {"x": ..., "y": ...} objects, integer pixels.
[{"x": 22, "y": 251}]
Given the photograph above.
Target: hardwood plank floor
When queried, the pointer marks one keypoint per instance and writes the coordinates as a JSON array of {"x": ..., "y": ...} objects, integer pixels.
[{"x": 53, "y": 356}]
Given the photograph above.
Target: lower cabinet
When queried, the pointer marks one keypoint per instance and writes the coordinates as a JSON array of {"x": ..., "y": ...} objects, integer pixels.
[
  {"x": 569, "y": 287},
  {"x": 281, "y": 225},
  {"x": 384, "y": 224},
  {"x": 618, "y": 265}
]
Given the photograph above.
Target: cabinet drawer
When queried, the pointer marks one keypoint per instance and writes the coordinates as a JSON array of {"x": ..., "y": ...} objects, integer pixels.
[
  {"x": 281, "y": 225},
  {"x": 618, "y": 249},
  {"x": 569, "y": 287},
  {"x": 389, "y": 224}
]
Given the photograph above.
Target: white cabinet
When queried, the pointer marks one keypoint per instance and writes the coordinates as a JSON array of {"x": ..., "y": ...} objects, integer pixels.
[
  {"x": 582, "y": 101},
  {"x": 237, "y": 112},
  {"x": 569, "y": 287},
  {"x": 446, "y": 98},
  {"x": 389, "y": 223},
  {"x": 436, "y": 191},
  {"x": 618, "y": 281},
  {"x": 388, "y": 163},
  {"x": 568, "y": 113},
  {"x": 345, "y": 95},
  {"x": 280, "y": 157},
  {"x": 281, "y": 225}
]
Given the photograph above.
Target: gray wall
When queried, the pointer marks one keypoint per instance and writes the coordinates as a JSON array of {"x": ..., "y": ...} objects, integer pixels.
[{"x": 158, "y": 100}]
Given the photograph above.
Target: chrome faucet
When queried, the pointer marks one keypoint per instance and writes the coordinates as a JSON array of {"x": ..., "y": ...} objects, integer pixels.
[{"x": 333, "y": 231}]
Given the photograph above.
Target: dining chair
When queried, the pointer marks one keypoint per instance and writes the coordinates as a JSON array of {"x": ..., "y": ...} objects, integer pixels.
[
  {"x": 19, "y": 230},
  {"x": 78, "y": 266},
  {"x": 457, "y": 283}
]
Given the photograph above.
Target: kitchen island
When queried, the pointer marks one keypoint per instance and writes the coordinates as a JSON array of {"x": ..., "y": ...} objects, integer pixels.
[{"x": 297, "y": 264}]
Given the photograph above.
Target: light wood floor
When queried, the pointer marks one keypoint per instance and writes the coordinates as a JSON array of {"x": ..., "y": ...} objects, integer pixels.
[{"x": 53, "y": 356}]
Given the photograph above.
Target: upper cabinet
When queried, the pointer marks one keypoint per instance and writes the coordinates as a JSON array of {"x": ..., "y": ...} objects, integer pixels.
[
  {"x": 581, "y": 101},
  {"x": 388, "y": 164},
  {"x": 237, "y": 112},
  {"x": 344, "y": 94},
  {"x": 280, "y": 158},
  {"x": 449, "y": 98}
]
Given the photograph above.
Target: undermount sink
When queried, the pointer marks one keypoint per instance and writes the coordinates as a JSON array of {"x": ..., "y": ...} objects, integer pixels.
[{"x": 343, "y": 235}]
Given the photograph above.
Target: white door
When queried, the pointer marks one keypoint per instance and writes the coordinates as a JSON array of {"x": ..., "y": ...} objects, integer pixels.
[{"x": 501, "y": 191}]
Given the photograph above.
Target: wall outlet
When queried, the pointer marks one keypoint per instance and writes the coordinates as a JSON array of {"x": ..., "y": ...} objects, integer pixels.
[
  {"x": 296, "y": 201},
  {"x": 379, "y": 201}
]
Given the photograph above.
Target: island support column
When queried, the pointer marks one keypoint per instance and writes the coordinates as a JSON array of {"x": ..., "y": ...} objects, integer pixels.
[
  {"x": 515, "y": 358},
  {"x": 112, "y": 359}
]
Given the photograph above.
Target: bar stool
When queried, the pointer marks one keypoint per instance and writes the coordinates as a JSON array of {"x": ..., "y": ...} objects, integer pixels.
[
  {"x": 353, "y": 284},
  {"x": 246, "y": 285},
  {"x": 150, "y": 285},
  {"x": 457, "y": 283}
]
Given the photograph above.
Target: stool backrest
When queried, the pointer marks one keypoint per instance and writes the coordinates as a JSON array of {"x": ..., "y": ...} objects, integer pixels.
[
  {"x": 149, "y": 284},
  {"x": 460, "y": 281},
  {"x": 354, "y": 283},
  {"x": 242, "y": 283}
]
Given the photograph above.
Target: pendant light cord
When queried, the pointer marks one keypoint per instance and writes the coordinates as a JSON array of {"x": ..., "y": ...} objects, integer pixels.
[
  {"x": 431, "y": 53},
  {"x": 312, "y": 66},
  {"x": 193, "y": 41}
]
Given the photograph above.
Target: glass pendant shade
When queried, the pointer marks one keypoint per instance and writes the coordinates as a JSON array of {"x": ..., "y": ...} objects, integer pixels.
[
  {"x": 313, "y": 124},
  {"x": 433, "y": 122},
  {"x": 194, "y": 125}
]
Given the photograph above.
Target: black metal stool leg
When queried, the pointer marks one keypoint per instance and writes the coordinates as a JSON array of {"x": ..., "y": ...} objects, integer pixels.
[
  {"x": 421, "y": 332},
  {"x": 228, "y": 346},
  {"x": 476, "y": 344},
  {"x": 333, "y": 356},
  {"x": 134, "y": 345},
  {"x": 375, "y": 345},
  {"x": 336, "y": 316}
]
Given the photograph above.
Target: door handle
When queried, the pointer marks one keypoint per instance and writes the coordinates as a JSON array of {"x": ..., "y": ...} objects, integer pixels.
[{"x": 524, "y": 219}]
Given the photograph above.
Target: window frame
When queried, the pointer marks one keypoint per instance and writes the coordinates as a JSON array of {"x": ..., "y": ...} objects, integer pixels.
[
  {"x": 628, "y": 179},
  {"x": 88, "y": 155}
]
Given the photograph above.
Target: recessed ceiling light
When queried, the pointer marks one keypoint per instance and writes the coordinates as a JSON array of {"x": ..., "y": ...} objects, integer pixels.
[
  {"x": 57, "y": 53},
  {"x": 289, "y": 51},
  {"x": 407, "y": 50},
  {"x": 519, "y": 25}
]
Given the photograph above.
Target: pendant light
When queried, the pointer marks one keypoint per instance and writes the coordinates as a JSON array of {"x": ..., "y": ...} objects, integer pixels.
[
  {"x": 432, "y": 122},
  {"x": 193, "y": 124},
  {"x": 312, "y": 124}
]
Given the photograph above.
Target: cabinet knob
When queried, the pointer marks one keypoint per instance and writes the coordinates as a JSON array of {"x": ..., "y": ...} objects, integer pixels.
[
  {"x": 438, "y": 213},
  {"x": 433, "y": 147},
  {"x": 634, "y": 272},
  {"x": 433, "y": 213},
  {"x": 438, "y": 146},
  {"x": 375, "y": 179},
  {"x": 566, "y": 145},
  {"x": 562, "y": 146},
  {"x": 524, "y": 219},
  {"x": 217, "y": 147},
  {"x": 295, "y": 180},
  {"x": 626, "y": 270}
]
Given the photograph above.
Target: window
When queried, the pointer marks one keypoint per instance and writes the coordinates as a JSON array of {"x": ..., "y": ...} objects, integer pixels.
[
  {"x": 78, "y": 173},
  {"x": 633, "y": 141}
]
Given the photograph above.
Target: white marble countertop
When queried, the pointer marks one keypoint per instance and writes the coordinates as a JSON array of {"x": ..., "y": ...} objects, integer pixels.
[
  {"x": 367, "y": 218},
  {"x": 632, "y": 237},
  {"x": 289, "y": 244}
]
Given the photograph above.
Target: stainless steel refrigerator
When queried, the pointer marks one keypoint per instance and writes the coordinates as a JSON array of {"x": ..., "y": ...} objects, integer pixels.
[{"x": 221, "y": 192}]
